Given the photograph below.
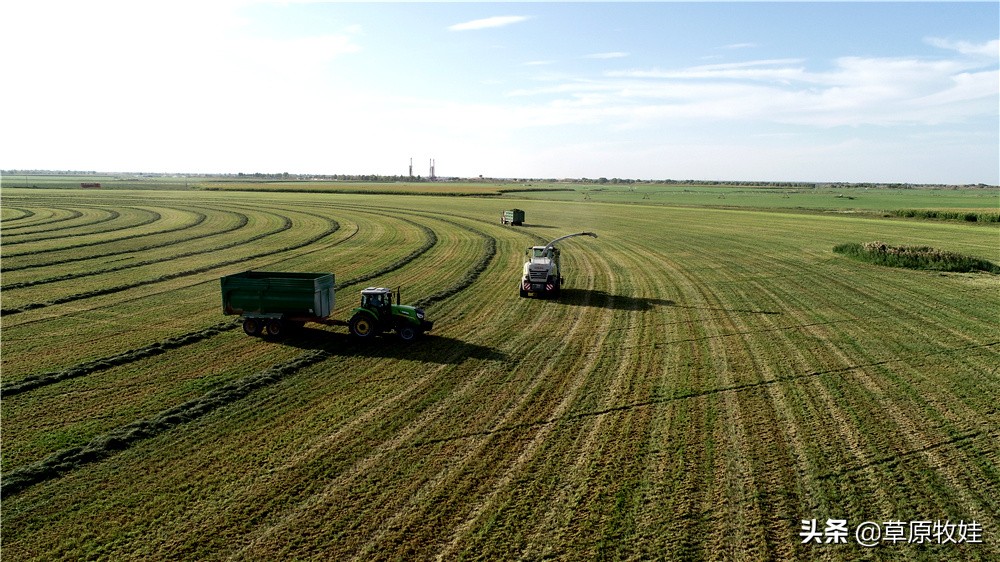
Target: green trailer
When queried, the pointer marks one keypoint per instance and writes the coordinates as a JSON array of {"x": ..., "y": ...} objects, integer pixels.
[
  {"x": 513, "y": 216},
  {"x": 271, "y": 303}
]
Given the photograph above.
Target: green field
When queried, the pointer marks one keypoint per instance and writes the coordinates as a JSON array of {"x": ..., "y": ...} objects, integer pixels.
[{"x": 713, "y": 375}]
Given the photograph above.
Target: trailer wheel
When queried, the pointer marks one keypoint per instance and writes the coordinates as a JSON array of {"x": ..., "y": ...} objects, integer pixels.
[
  {"x": 275, "y": 328},
  {"x": 363, "y": 325},
  {"x": 252, "y": 326},
  {"x": 407, "y": 333}
]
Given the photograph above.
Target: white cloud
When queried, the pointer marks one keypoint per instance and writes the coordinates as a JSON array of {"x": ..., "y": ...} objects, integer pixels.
[
  {"x": 854, "y": 91},
  {"x": 496, "y": 21},
  {"x": 989, "y": 49},
  {"x": 611, "y": 55},
  {"x": 777, "y": 69}
]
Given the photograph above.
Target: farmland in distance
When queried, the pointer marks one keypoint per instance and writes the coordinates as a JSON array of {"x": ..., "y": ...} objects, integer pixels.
[{"x": 710, "y": 378}]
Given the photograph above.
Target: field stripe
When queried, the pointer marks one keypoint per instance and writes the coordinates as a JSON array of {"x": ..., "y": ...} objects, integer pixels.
[
  {"x": 334, "y": 226},
  {"x": 53, "y": 466},
  {"x": 31, "y": 382},
  {"x": 45, "y": 234},
  {"x": 198, "y": 218}
]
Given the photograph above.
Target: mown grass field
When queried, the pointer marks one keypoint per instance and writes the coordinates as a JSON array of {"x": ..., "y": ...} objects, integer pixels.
[{"x": 709, "y": 379}]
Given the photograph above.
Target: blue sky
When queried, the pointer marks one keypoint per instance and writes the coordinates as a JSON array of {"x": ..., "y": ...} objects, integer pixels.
[{"x": 818, "y": 91}]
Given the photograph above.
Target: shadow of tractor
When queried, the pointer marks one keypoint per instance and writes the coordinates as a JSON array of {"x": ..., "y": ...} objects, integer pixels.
[{"x": 427, "y": 348}]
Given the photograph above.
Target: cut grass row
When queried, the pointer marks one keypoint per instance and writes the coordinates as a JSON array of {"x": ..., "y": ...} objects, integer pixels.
[{"x": 90, "y": 218}]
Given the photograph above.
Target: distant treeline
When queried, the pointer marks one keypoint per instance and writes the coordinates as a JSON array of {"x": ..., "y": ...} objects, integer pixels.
[
  {"x": 967, "y": 216},
  {"x": 379, "y": 178}
]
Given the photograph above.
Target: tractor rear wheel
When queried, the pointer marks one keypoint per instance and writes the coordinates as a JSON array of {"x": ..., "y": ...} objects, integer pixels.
[{"x": 363, "y": 325}]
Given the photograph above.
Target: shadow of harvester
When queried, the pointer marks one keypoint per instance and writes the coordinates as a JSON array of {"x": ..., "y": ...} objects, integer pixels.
[{"x": 602, "y": 299}]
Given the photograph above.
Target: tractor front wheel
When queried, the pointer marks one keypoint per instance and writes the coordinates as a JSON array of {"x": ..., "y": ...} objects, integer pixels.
[
  {"x": 407, "y": 333},
  {"x": 363, "y": 325}
]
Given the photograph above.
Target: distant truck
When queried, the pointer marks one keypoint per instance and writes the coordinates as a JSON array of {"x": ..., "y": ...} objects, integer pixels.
[
  {"x": 512, "y": 216},
  {"x": 274, "y": 303}
]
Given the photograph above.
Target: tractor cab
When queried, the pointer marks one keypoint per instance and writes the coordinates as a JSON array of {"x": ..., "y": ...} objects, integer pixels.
[{"x": 378, "y": 299}]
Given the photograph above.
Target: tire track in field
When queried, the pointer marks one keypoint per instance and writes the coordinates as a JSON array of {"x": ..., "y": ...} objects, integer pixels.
[{"x": 103, "y": 446}]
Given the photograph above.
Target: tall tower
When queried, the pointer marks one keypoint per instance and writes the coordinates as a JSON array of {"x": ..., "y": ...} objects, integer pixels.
[
  {"x": 432, "y": 169},
  {"x": 411, "y": 167}
]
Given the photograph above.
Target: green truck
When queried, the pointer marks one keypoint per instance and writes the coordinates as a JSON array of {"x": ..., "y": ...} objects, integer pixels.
[
  {"x": 513, "y": 216},
  {"x": 273, "y": 303}
]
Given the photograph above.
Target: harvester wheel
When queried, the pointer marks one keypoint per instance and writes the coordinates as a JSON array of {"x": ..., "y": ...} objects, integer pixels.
[
  {"x": 407, "y": 333},
  {"x": 252, "y": 326},
  {"x": 275, "y": 328},
  {"x": 363, "y": 325}
]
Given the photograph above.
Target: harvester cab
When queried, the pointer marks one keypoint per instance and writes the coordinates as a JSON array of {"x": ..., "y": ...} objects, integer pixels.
[
  {"x": 542, "y": 275},
  {"x": 378, "y": 314}
]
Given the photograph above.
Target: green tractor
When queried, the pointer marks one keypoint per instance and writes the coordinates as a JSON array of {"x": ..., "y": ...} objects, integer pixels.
[{"x": 378, "y": 314}]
